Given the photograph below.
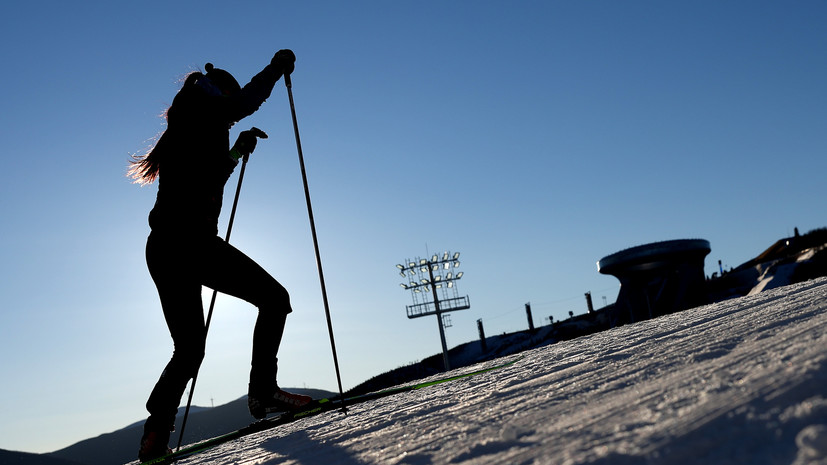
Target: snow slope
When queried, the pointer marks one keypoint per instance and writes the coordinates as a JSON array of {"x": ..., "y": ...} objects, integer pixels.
[{"x": 742, "y": 381}]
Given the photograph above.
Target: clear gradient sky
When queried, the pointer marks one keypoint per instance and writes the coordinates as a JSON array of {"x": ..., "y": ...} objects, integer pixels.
[{"x": 534, "y": 137}]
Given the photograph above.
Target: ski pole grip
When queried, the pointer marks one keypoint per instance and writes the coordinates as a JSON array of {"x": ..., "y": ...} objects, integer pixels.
[{"x": 287, "y": 81}]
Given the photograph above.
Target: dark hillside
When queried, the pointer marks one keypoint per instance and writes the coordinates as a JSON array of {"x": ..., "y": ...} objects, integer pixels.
[{"x": 8, "y": 457}]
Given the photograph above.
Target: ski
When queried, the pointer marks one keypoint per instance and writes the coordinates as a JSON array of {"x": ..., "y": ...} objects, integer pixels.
[{"x": 315, "y": 407}]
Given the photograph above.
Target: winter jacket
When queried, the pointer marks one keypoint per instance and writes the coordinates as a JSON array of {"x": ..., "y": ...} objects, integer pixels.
[{"x": 195, "y": 163}]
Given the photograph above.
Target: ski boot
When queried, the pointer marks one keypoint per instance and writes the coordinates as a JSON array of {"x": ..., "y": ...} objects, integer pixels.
[
  {"x": 260, "y": 404},
  {"x": 154, "y": 444}
]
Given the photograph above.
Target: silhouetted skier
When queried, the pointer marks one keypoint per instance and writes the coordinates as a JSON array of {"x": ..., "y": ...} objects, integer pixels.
[{"x": 192, "y": 161}]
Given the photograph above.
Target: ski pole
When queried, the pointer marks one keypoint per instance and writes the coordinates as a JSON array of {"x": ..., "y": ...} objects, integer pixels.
[
  {"x": 258, "y": 133},
  {"x": 289, "y": 84}
]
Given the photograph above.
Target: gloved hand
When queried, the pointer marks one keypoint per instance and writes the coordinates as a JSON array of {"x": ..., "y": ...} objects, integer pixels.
[
  {"x": 284, "y": 60},
  {"x": 246, "y": 143}
]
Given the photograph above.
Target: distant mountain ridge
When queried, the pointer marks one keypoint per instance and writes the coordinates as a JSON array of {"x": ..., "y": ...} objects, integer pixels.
[{"x": 25, "y": 458}]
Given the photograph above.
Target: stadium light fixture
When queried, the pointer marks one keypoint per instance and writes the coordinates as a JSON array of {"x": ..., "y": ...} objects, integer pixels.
[{"x": 432, "y": 275}]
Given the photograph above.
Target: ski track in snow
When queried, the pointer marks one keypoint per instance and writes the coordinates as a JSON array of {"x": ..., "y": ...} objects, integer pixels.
[{"x": 742, "y": 381}]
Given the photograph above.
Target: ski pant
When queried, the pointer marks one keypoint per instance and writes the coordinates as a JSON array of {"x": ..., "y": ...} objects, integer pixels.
[{"x": 180, "y": 266}]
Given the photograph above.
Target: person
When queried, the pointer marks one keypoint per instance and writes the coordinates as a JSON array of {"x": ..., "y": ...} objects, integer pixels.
[{"x": 192, "y": 161}]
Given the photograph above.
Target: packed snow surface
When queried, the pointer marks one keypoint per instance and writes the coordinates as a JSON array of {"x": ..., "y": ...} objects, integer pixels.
[{"x": 743, "y": 381}]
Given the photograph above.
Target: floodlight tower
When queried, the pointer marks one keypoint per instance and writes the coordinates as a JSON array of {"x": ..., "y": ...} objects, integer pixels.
[{"x": 426, "y": 276}]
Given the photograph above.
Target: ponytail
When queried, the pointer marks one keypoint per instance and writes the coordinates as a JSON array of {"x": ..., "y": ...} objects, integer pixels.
[{"x": 144, "y": 169}]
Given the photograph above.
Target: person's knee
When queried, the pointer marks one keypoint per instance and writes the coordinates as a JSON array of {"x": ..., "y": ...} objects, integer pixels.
[{"x": 275, "y": 299}]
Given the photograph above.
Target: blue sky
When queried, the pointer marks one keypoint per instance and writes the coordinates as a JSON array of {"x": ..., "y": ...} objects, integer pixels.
[{"x": 533, "y": 137}]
